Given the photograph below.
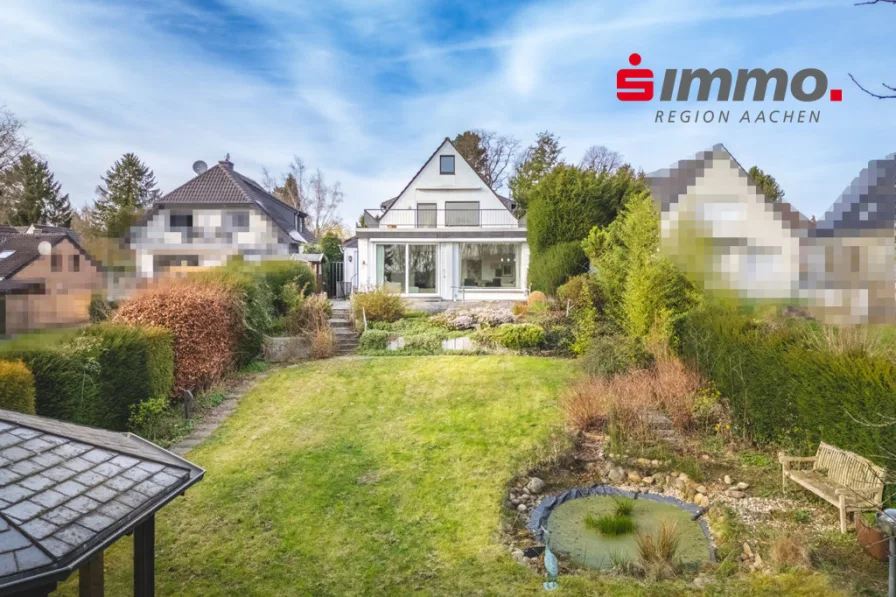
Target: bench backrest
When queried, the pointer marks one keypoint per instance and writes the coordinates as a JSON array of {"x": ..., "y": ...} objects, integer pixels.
[{"x": 849, "y": 469}]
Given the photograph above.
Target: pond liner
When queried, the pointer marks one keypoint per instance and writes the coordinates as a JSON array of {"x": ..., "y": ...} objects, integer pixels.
[{"x": 538, "y": 520}]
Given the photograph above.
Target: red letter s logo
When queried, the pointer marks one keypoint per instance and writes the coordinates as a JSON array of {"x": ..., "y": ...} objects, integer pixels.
[{"x": 634, "y": 84}]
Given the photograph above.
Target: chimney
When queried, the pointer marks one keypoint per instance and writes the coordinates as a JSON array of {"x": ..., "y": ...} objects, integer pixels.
[{"x": 226, "y": 163}]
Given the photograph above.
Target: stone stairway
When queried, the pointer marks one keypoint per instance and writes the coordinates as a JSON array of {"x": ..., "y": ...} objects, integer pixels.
[{"x": 346, "y": 338}]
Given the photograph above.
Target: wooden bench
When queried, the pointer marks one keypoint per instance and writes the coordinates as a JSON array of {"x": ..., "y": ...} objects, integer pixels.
[{"x": 846, "y": 480}]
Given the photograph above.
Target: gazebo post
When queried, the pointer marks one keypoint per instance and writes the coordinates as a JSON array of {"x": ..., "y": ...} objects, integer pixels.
[
  {"x": 144, "y": 558},
  {"x": 90, "y": 577}
]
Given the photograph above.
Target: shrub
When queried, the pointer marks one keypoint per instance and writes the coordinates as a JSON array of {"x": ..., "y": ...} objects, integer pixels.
[
  {"x": 620, "y": 402},
  {"x": 135, "y": 365},
  {"x": 378, "y": 304},
  {"x": 99, "y": 309},
  {"x": 574, "y": 292},
  {"x": 306, "y": 315},
  {"x": 279, "y": 273},
  {"x": 781, "y": 390},
  {"x": 253, "y": 304},
  {"x": 321, "y": 343},
  {"x": 374, "y": 340},
  {"x": 623, "y": 506},
  {"x": 611, "y": 525},
  {"x": 567, "y": 202},
  {"x": 520, "y": 309},
  {"x": 431, "y": 342},
  {"x": 469, "y": 318},
  {"x": 522, "y": 336},
  {"x": 611, "y": 355},
  {"x": 205, "y": 320},
  {"x": 16, "y": 387},
  {"x": 64, "y": 373},
  {"x": 551, "y": 268},
  {"x": 536, "y": 297}
]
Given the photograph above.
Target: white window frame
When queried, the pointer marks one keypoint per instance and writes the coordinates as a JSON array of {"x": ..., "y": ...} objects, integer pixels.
[{"x": 407, "y": 265}]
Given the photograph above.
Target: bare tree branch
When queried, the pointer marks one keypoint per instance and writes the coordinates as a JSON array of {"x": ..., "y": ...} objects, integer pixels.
[
  {"x": 13, "y": 143},
  {"x": 601, "y": 159},
  {"x": 872, "y": 94},
  {"x": 499, "y": 153},
  {"x": 875, "y": 2}
]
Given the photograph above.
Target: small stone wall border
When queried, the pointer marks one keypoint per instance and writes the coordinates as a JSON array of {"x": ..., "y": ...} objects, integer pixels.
[{"x": 538, "y": 520}]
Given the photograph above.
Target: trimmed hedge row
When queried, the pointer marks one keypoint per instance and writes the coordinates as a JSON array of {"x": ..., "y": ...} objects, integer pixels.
[
  {"x": 95, "y": 375},
  {"x": 781, "y": 389}
]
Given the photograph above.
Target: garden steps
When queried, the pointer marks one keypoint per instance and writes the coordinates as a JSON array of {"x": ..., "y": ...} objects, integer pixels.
[
  {"x": 344, "y": 333},
  {"x": 662, "y": 427}
]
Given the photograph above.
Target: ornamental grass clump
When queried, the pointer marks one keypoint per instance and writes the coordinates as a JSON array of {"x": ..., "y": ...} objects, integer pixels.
[
  {"x": 377, "y": 304},
  {"x": 658, "y": 554},
  {"x": 611, "y": 525}
]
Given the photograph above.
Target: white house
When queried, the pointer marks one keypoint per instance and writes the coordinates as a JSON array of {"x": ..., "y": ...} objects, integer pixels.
[
  {"x": 214, "y": 216},
  {"x": 446, "y": 235},
  {"x": 725, "y": 231}
]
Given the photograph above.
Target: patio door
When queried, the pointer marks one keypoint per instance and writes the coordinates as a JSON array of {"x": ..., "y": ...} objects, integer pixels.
[{"x": 408, "y": 268}]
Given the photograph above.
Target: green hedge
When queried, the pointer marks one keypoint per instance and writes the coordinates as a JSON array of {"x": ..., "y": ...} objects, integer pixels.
[
  {"x": 781, "y": 389},
  {"x": 249, "y": 283},
  {"x": 95, "y": 375},
  {"x": 556, "y": 265},
  {"x": 135, "y": 364},
  {"x": 16, "y": 387}
]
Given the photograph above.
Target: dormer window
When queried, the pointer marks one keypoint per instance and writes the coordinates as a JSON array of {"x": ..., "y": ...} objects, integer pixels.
[{"x": 446, "y": 164}]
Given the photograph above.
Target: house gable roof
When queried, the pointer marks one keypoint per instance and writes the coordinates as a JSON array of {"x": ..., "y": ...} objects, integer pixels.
[
  {"x": 26, "y": 250},
  {"x": 387, "y": 205},
  {"x": 868, "y": 203},
  {"x": 222, "y": 185},
  {"x": 669, "y": 185}
]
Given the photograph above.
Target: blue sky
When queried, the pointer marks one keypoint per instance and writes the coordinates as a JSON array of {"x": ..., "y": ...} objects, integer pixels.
[{"x": 367, "y": 90}]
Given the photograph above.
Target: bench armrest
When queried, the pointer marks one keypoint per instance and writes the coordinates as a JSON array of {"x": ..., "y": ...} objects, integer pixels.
[
  {"x": 863, "y": 493},
  {"x": 786, "y": 460}
]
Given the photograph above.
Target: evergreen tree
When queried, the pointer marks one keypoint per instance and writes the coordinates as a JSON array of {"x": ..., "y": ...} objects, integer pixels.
[
  {"x": 537, "y": 161},
  {"x": 34, "y": 195},
  {"x": 767, "y": 184},
  {"x": 128, "y": 188}
]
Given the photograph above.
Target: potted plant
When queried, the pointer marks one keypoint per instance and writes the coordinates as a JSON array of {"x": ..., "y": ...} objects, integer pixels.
[{"x": 872, "y": 539}]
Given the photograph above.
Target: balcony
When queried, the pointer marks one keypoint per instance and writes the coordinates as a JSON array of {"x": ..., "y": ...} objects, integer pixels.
[{"x": 442, "y": 218}]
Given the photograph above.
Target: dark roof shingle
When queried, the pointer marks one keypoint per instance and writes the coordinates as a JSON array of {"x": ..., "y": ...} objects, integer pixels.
[{"x": 67, "y": 490}]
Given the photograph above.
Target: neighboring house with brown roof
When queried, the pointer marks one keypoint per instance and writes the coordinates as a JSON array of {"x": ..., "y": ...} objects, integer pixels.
[
  {"x": 214, "y": 216},
  {"x": 46, "y": 279},
  {"x": 719, "y": 223},
  {"x": 447, "y": 235}
]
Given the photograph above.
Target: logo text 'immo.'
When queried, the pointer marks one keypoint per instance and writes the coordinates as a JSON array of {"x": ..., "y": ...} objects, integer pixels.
[{"x": 806, "y": 85}]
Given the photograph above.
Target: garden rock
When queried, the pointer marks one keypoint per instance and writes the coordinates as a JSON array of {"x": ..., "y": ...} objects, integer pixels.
[
  {"x": 727, "y": 480},
  {"x": 521, "y": 508},
  {"x": 735, "y": 493},
  {"x": 616, "y": 475},
  {"x": 742, "y": 486},
  {"x": 701, "y": 500},
  {"x": 634, "y": 477},
  {"x": 701, "y": 489},
  {"x": 535, "y": 485},
  {"x": 647, "y": 480}
]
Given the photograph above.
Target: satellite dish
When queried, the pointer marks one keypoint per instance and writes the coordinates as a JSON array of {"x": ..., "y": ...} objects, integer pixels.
[
  {"x": 199, "y": 166},
  {"x": 44, "y": 248}
]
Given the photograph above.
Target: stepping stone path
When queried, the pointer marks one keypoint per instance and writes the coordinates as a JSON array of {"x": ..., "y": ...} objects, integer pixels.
[
  {"x": 346, "y": 338},
  {"x": 661, "y": 426},
  {"x": 218, "y": 414}
]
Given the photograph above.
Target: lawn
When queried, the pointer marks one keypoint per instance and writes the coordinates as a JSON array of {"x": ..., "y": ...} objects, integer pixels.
[{"x": 375, "y": 476}]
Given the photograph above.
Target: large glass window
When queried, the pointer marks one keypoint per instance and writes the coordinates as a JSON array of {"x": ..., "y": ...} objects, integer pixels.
[
  {"x": 488, "y": 265},
  {"x": 391, "y": 267},
  {"x": 407, "y": 269},
  {"x": 461, "y": 213},
  {"x": 422, "y": 268}
]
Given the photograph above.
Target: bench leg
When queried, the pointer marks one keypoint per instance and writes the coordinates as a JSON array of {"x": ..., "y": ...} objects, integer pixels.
[{"x": 843, "y": 514}]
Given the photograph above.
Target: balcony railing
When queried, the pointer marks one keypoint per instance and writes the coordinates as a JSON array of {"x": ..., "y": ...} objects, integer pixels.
[
  {"x": 201, "y": 236},
  {"x": 441, "y": 218}
]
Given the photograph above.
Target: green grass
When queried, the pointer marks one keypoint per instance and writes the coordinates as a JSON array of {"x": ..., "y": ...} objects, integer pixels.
[
  {"x": 611, "y": 525},
  {"x": 376, "y": 476},
  {"x": 624, "y": 506}
]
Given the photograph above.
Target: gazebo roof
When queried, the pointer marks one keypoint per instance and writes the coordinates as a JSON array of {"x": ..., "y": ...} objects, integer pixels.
[{"x": 68, "y": 491}]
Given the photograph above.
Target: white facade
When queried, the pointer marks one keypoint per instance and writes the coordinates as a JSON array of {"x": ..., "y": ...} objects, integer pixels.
[
  {"x": 214, "y": 235},
  {"x": 447, "y": 235}
]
